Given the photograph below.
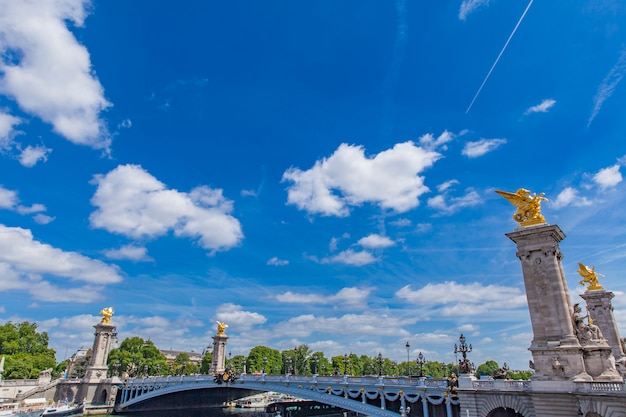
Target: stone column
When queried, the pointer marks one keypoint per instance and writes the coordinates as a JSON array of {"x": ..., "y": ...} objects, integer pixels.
[
  {"x": 98, "y": 368},
  {"x": 219, "y": 353},
  {"x": 557, "y": 354},
  {"x": 601, "y": 313}
]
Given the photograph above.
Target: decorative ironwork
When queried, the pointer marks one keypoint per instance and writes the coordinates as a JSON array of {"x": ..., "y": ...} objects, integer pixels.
[{"x": 465, "y": 366}]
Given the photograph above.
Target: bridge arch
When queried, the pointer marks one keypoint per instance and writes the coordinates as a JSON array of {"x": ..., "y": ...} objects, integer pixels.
[
  {"x": 505, "y": 405},
  {"x": 371, "y": 396}
]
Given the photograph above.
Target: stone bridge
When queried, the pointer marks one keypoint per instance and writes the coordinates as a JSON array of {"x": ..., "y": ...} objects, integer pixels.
[{"x": 372, "y": 396}]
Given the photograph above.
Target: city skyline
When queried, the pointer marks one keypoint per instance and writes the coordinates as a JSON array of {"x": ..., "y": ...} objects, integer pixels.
[{"x": 319, "y": 174}]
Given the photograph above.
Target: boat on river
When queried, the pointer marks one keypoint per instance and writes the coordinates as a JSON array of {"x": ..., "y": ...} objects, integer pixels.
[{"x": 64, "y": 410}]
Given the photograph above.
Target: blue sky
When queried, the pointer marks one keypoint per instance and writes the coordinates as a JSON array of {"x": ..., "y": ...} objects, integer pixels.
[{"x": 308, "y": 172}]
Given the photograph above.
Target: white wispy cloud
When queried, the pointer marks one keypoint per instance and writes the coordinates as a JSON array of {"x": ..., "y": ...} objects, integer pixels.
[
  {"x": 542, "y": 107},
  {"x": 446, "y": 205},
  {"x": 130, "y": 252},
  {"x": 349, "y": 178},
  {"x": 133, "y": 203},
  {"x": 48, "y": 72},
  {"x": 30, "y": 266},
  {"x": 468, "y": 6},
  {"x": 351, "y": 257},
  {"x": 570, "y": 196},
  {"x": 9, "y": 200},
  {"x": 608, "y": 177},
  {"x": 277, "y": 262},
  {"x": 374, "y": 241},
  {"x": 33, "y": 154},
  {"x": 608, "y": 85},
  {"x": 234, "y": 315},
  {"x": 7, "y": 123},
  {"x": 453, "y": 298},
  {"x": 350, "y": 324},
  {"x": 349, "y": 296},
  {"x": 481, "y": 147}
]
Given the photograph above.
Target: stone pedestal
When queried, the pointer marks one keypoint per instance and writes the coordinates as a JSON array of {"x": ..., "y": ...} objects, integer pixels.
[
  {"x": 98, "y": 368},
  {"x": 219, "y": 353},
  {"x": 557, "y": 354},
  {"x": 599, "y": 362},
  {"x": 601, "y": 313}
]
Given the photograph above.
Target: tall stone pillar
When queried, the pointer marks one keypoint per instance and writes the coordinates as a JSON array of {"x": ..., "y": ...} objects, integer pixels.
[
  {"x": 219, "y": 349},
  {"x": 557, "y": 354},
  {"x": 98, "y": 368},
  {"x": 601, "y": 313}
]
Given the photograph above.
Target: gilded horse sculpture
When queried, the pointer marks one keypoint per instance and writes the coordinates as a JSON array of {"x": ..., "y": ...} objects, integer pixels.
[
  {"x": 106, "y": 314},
  {"x": 590, "y": 277},
  {"x": 528, "y": 206}
]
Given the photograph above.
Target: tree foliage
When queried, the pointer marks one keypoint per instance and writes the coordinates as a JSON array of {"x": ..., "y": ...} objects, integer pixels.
[
  {"x": 488, "y": 368},
  {"x": 136, "y": 357},
  {"x": 25, "y": 350}
]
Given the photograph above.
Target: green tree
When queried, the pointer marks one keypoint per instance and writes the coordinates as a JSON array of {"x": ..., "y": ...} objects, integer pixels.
[
  {"x": 207, "y": 361},
  {"x": 488, "y": 368},
  {"x": 135, "y": 357},
  {"x": 520, "y": 375},
  {"x": 25, "y": 350},
  {"x": 256, "y": 357}
]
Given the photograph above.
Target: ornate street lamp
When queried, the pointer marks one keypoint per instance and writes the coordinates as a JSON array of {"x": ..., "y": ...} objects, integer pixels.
[
  {"x": 345, "y": 364},
  {"x": 420, "y": 362},
  {"x": 243, "y": 364},
  {"x": 393, "y": 368},
  {"x": 287, "y": 365},
  {"x": 408, "y": 361},
  {"x": 264, "y": 364},
  {"x": 158, "y": 369},
  {"x": 314, "y": 365},
  {"x": 379, "y": 360},
  {"x": 116, "y": 367},
  {"x": 465, "y": 366}
]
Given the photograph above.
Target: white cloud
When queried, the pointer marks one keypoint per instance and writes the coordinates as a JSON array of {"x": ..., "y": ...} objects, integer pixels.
[
  {"x": 133, "y": 203},
  {"x": 277, "y": 262},
  {"x": 404, "y": 222},
  {"x": 608, "y": 177},
  {"x": 445, "y": 185},
  {"x": 35, "y": 208},
  {"x": 31, "y": 155},
  {"x": 349, "y": 178},
  {"x": 375, "y": 241},
  {"x": 350, "y": 296},
  {"x": 234, "y": 315},
  {"x": 464, "y": 299},
  {"x": 608, "y": 85},
  {"x": 8, "y": 198},
  {"x": 26, "y": 255},
  {"x": 449, "y": 206},
  {"x": 429, "y": 142},
  {"x": 481, "y": 147},
  {"x": 468, "y": 6},
  {"x": 52, "y": 76},
  {"x": 7, "y": 122},
  {"x": 350, "y": 324},
  {"x": 350, "y": 257},
  {"x": 542, "y": 107},
  {"x": 131, "y": 252},
  {"x": 570, "y": 196},
  {"x": 43, "y": 219}
]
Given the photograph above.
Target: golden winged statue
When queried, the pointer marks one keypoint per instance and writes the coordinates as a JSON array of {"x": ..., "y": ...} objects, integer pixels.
[
  {"x": 528, "y": 206},
  {"x": 221, "y": 327},
  {"x": 106, "y": 314},
  {"x": 590, "y": 277}
]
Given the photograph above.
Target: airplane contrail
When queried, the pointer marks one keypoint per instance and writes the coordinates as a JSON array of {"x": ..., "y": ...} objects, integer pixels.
[{"x": 499, "y": 55}]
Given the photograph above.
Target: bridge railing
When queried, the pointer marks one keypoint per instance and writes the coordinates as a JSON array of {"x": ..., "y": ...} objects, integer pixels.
[{"x": 315, "y": 379}]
